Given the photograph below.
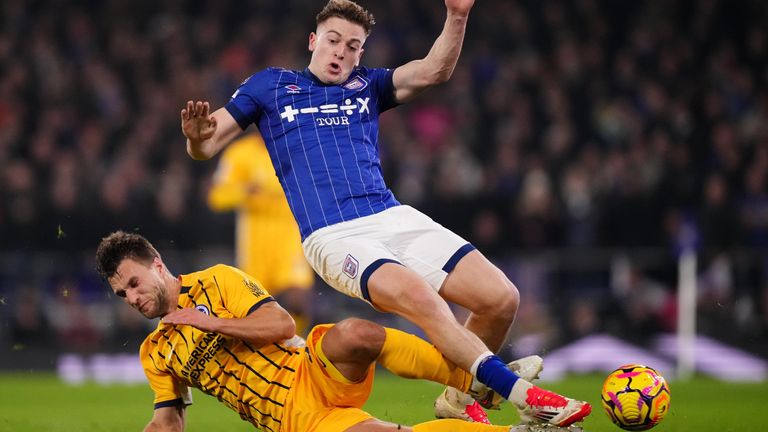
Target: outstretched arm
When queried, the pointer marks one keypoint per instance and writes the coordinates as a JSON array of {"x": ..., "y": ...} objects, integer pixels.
[
  {"x": 207, "y": 133},
  {"x": 267, "y": 324},
  {"x": 412, "y": 78}
]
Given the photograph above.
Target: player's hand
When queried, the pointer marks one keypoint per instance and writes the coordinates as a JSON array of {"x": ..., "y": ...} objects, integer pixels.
[
  {"x": 190, "y": 316},
  {"x": 459, "y": 7},
  {"x": 197, "y": 123}
]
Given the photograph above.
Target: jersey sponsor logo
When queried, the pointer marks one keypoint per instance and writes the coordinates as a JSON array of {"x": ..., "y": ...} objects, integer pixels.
[
  {"x": 356, "y": 83},
  {"x": 293, "y": 89},
  {"x": 350, "y": 266},
  {"x": 204, "y": 351},
  {"x": 332, "y": 121},
  {"x": 348, "y": 107},
  {"x": 254, "y": 288},
  {"x": 204, "y": 309}
]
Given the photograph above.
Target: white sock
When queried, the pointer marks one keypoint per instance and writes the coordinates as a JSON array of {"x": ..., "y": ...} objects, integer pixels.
[{"x": 519, "y": 393}]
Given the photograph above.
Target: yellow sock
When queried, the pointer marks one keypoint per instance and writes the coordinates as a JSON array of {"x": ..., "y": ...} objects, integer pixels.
[
  {"x": 454, "y": 425},
  {"x": 409, "y": 356}
]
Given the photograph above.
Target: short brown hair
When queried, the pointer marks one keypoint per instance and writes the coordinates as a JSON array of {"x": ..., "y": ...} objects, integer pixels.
[
  {"x": 348, "y": 10},
  {"x": 119, "y": 245}
]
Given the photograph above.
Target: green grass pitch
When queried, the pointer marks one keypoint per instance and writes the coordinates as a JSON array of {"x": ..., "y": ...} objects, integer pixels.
[{"x": 39, "y": 402}]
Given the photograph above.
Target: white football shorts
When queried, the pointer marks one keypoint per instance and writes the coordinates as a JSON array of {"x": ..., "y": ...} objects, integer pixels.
[{"x": 347, "y": 253}]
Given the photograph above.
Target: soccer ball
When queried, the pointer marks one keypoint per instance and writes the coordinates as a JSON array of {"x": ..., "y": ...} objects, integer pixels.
[{"x": 635, "y": 397}]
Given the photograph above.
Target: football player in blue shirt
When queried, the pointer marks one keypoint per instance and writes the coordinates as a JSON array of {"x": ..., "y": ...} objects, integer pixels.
[{"x": 320, "y": 126}]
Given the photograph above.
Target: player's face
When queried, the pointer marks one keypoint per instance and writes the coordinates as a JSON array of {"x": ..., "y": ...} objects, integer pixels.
[
  {"x": 336, "y": 49},
  {"x": 141, "y": 286}
]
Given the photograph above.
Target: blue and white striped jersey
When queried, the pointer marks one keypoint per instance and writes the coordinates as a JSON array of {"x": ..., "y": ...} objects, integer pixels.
[{"x": 322, "y": 139}]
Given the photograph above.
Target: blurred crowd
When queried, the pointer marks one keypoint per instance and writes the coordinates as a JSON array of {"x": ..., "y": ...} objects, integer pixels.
[{"x": 584, "y": 124}]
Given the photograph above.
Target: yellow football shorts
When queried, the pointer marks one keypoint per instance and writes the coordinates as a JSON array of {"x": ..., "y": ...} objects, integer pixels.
[{"x": 321, "y": 399}]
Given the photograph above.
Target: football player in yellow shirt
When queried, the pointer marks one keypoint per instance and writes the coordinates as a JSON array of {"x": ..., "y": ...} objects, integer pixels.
[
  {"x": 223, "y": 333},
  {"x": 267, "y": 240}
]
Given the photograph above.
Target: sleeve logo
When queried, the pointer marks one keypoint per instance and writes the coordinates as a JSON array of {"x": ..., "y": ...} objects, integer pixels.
[{"x": 254, "y": 288}]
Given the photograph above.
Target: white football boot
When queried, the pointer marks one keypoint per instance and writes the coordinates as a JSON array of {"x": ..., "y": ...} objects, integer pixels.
[
  {"x": 539, "y": 409},
  {"x": 543, "y": 406},
  {"x": 454, "y": 404}
]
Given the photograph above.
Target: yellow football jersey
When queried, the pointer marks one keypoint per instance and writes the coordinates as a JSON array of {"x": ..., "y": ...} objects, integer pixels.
[
  {"x": 253, "y": 382},
  {"x": 268, "y": 243}
]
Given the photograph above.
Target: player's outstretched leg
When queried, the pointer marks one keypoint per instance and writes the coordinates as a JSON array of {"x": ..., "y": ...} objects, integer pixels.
[
  {"x": 480, "y": 287},
  {"x": 411, "y": 357},
  {"x": 448, "y": 405},
  {"x": 535, "y": 404},
  {"x": 527, "y": 368},
  {"x": 474, "y": 282},
  {"x": 398, "y": 290}
]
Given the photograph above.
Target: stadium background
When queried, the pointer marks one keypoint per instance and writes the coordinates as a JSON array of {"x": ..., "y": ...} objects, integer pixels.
[{"x": 580, "y": 144}]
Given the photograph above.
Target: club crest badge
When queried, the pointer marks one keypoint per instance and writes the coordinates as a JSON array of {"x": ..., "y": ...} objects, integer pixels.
[
  {"x": 204, "y": 309},
  {"x": 355, "y": 83},
  {"x": 350, "y": 266}
]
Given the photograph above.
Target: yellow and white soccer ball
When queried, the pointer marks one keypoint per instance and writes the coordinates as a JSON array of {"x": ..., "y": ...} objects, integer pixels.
[{"x": 635, "y": 397}]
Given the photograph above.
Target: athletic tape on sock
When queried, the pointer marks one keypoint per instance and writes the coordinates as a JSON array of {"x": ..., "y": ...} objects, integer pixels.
[{"x": 480, "y": 358}]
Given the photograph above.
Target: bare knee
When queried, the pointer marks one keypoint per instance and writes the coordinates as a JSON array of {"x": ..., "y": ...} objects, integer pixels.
[
  {"x": 509, "y": 299},
  {"x": 480, "y": 286},
  {"x": 501, "y": 300},
  {"x": 359, "y": 340}
]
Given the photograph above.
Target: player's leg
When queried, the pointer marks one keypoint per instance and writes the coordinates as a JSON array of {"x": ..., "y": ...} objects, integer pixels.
[
  {"x": 396, "y": 289},
  {"x": 353, "y": 258},
  {"x": 492, "y": 300},
  {"x": 358, "y": 258},
  {"x": 352, "y": 346},
  {"x": 349, "y": 346},
  {"x": 433, "y": 253},
  {"x": 476, "y": 284},
  {"x": 487, "y": 293},
  {"x": 409, "y": 356},
  {"x": 375, "y": 425}
]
